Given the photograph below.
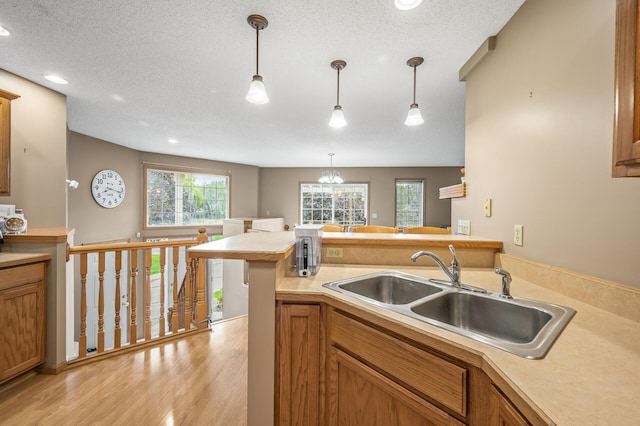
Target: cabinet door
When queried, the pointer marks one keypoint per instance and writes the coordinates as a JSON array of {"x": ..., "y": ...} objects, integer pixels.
[
  {"x": 22, "y": 334},
  {"x": 359, "y": 395},
  {"x": 299, "y": 365},
  {"x": 626, "y": 138},
  {"x": 502, "y": 411}
]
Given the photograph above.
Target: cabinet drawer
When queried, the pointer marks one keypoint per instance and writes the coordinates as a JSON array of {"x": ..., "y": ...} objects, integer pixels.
[
  {"x": 19, "y": 275},
  {"x": 425, "y": 372}
]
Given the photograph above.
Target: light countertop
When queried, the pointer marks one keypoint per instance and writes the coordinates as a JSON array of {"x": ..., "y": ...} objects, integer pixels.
[{"x": 588, "y": 377}]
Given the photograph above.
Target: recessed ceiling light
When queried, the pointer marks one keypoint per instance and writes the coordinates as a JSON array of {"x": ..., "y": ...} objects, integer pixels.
[
  {"x": 55, "y": 79},
  {"x": 172, "y": 140},
  {"x": 3, "y": 31},
  {"x": 407, "y": 4}
]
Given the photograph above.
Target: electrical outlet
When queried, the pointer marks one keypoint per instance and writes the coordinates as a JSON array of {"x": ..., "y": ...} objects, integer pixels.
[
  {"x": 334, "y": 252},
  {"x": 517, "y": 235},
  {"x": 464, "y": 227},
  {"x": 487, "y": 207}
]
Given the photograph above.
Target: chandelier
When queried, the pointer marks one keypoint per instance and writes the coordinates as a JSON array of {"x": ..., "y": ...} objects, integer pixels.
[{"x": 330, "y": 176}]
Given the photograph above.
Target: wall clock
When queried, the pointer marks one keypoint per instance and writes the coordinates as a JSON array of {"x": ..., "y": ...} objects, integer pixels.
[{"x": 108, "y": 188}]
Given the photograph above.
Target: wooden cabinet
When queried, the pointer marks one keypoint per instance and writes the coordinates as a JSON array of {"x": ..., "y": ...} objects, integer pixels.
[
  {"x": 333, "y": 368},
  {"x": 299, "y": 359},
  {"x": 503, "y": 412},
  {"x": 22, "y": 318},
  {"x": 626, "y": 136},
  {"x": 5, "y": 141},
  {"x": 393, "y": 383},
  {"x": 359, "y": 395}
]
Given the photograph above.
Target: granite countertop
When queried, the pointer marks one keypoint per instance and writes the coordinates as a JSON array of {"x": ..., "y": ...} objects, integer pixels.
[{"x": 589, "y": 376}]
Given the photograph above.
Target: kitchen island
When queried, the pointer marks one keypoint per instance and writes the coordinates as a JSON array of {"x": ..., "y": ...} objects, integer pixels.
[{"x": 588, "y": 376}]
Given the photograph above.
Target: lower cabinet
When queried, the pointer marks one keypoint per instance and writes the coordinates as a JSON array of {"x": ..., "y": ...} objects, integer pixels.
[
  {"x": 335, "y": 369},
  {"x": 359, "y": 395},
  {"x": 22, "y": 319},
  {"x": 299, "y": 359},
  {"x": 502, "y": 411}
]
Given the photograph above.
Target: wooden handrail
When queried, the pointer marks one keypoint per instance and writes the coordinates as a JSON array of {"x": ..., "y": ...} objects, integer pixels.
[{"x": 191, "y": 287}]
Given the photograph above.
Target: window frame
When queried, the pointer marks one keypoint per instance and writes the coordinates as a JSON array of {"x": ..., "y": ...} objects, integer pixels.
[
  {"x": 423, "y": 182},
  {"x": 185, "y": 170},
  {"x": 367, "y": 186}
]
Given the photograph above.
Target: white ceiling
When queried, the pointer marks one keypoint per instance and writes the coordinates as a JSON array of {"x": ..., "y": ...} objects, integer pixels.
[{"x": 144, "y": 71}]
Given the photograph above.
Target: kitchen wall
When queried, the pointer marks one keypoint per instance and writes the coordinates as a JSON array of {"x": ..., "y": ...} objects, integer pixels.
[
  {"x": 539, "y": 126},
  {"x": 38, "y": 152},
  {"x": 280, "y": 190},
  {"x": 93, "y": 223}
]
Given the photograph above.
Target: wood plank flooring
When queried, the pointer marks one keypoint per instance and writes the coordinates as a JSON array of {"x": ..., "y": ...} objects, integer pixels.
[{"x": 199, "y": 380}]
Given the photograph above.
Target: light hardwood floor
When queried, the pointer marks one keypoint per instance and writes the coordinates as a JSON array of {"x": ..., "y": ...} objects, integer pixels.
[{"x": 199, "y": 380}]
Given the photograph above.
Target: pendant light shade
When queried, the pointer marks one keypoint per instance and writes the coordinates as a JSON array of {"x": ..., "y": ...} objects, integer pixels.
[
  {"x": 331, "y": 176},
  {"x": 414, "y": 116},
  {"x": 337, "y": 117},
  {"x": 257, "y": 92}
]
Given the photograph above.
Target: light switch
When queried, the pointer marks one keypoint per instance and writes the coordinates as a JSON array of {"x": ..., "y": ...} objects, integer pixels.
[{"x": 487, "y": 207}]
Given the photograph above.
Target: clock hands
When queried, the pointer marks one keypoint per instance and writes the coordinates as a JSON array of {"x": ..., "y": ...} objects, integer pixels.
[{"x": 108, "y": 188}]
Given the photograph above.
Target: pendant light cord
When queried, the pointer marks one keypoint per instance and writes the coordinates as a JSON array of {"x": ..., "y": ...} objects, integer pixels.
[
  {"x": 414, "y": 84},
  {"x": 338, "y": 89},
  {"x": 258, "y": 49}
]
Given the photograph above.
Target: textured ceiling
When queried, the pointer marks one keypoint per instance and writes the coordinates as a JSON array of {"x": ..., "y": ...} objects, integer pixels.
[{"x": 144, "y": 71}]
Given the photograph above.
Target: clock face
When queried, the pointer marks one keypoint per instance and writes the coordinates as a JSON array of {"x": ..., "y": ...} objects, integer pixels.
[{"x": 108, "y": 189}]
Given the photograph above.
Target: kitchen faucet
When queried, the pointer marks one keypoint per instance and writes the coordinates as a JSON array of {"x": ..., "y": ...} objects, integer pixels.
[{"x": 453, "y": 272}]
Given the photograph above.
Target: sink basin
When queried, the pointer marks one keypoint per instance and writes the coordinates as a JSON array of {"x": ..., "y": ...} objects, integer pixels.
[
  {"x": 387, "y": 287},
  {"x": 524, "y": 327}
]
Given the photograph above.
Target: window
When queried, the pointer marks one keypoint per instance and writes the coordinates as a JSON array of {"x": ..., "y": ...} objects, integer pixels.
[
  {"x": 184, "y": 197},
  {"x": 409, "y": 203},
  {"x": 345, "y": 204}
]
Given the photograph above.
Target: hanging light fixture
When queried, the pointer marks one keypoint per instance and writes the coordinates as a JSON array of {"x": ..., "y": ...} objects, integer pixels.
[
  {"x": 330, "y": 176},
  {"x": 337, "y": 117},
  {"x": 257, "y": 92},
  {"x": 414, "y": 117}
]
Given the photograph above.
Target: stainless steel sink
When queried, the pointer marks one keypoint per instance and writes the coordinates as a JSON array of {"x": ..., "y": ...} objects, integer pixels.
[
  {"x": 524, "y": 327},
  {"x": 387, "y": 287}
]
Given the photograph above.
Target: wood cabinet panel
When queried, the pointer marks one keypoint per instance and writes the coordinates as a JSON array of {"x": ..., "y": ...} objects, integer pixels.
[
  {"x": 299, "y": 365},
  {"x": 362, "y": 396},
  {"x": 626, "y": 137},
  {"x": 22, "y": 319},
  {"x": 502, "y": 412},
  {"x": 5, "y": 141},
  {"x": 427, "y": 373}
]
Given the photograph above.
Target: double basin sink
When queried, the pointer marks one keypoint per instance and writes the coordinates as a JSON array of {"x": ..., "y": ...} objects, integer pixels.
[{"x": 524, "y": 327}]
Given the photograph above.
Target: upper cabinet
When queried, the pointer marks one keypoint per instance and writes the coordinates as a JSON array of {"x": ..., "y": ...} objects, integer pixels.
[
  {"x": 5, "y": 141},
  {"x": 626, "y": 129}
]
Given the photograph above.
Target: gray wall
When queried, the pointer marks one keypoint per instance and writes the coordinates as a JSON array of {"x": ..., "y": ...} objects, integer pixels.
[
  {"x": 38, "y": 152},
  {"x": 539, "y": 131},
  {"x": 93, "y": 223},
  {"x": 280, "y": 188}
]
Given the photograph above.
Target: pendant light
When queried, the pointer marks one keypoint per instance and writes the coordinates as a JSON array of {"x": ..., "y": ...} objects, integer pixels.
[
  {"x": 331, "y": 176},
  {"x": 257, "y": 92},
  {"x": 337, "y": 117},
  {"x": 414, "y": 117}
]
